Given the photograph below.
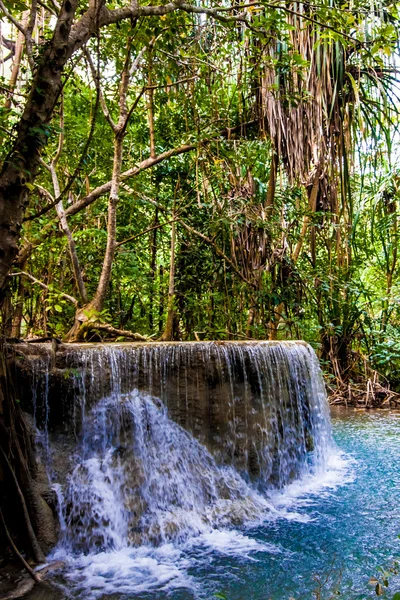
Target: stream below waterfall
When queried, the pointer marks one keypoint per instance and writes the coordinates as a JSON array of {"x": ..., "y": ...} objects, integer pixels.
[{"x": 326, "y": 532}]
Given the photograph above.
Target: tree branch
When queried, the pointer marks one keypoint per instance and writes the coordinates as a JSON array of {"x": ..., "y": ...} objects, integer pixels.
[
  {"x": 17, "y": 553},
  {"x": 147, "y": 164},
  {"x": 89, "y": 325},
  {"x": 43, "y": 285},
  {"x": 103, "y": 103},
  {"x": 12, "y": 19},
  {"x": 133, "y": 237},
  {"x": 217, "y": 251},
  {"x": 142, "y": 166}
]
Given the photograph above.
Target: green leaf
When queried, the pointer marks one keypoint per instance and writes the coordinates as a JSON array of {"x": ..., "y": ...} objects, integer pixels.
[
  {"x": 396, "y": 596},
  {"x": 58, "y": 308}
]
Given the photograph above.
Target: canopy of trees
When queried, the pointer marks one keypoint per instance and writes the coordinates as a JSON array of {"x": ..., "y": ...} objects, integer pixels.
[{"x": 186, "y": 171}]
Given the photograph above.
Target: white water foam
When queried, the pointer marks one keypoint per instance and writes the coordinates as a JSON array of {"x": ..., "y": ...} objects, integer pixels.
[
  {"x": 126, "y": 571},
  {"x": 304, "y": 492},
  {"x": 145, "y": 569}
]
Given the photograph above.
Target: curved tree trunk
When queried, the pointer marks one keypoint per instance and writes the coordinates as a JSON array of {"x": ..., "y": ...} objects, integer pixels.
[
  {"x": 98, "y": 301},
  {"x": 90, "y": 310},
  {"x": 20, "y": 167}
]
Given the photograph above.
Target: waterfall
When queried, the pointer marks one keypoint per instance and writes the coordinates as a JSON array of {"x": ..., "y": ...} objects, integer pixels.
[
  {"x": 155, "y": 443},
  {"x": 140, "y": 478}
]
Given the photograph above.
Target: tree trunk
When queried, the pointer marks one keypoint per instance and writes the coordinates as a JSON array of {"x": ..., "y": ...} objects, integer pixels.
[
  {"x": 98, "y": 300},
  {"x": 153, "y": 251},
  {"x": 18, "y": 311},
  {"x": 17, "y": 174},
  {"x": 21, "y": 164},
  {"x": 312, "y": 205},
  {"x": 97, "y": 304},
  {"x": 269, "y": 203},
  {"x": 168, "y": 333},
  {"x": 19, "y": 47}
]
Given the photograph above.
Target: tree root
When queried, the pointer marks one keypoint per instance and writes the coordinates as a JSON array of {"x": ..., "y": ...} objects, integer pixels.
[
  {"x": 17, "y": 553},
  {"x": 37, "y": 551},
  {"x": 366, "y": 394},
  {"x": 89, "y": 326}
]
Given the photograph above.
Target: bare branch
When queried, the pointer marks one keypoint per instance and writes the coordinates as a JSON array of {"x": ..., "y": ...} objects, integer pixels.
[
  {"x": 43, "y": 285},
  {"x": 142, "y": 166},
  {"x": 12, "y": 19},
  {"x": 28, "y": 33},
  {"x": 19, "y": 47},
  {"x": 134, "y": 237},
  {"x": 61, "y": 136},
  {"x": 172, "y": 84},
  {"x": 56, "y": 5},
  {"x": 90, "y": 325},
  {"x": 96, "y": 79},
  {"x": 17, "y": 553},
  {"x": 217, "y": 251},
  {"x": 49, "y": 8},
  {"x": 145, "y": 164}
]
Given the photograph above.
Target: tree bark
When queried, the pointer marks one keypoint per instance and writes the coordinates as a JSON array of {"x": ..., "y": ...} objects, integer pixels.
[
  {"x": 150, "y": 95},
  {"x": 269, "y": 203},
  {"x": 168, "y": 333},
  {"x": 80, "y": 284},
  {"x": 312, "y": 205},
  {"x": 99, "y": 298},
  {"x": 97, "y": 303},
  {"x": 21, "y": 164},
  {"x": 153, "y": 259},
  {"x": 19, "y": 307}
]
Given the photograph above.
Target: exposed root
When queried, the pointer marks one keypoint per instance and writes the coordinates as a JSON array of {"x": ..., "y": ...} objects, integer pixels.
[
  {"x": 37, "y": 551},
  {"x": 369, "y": 393},
  {"x": 360, "y": 385},
  {"x": 89, "y": 327},
  {"x": 17, "y": 553},
  {"x": 23, "y": 588}
]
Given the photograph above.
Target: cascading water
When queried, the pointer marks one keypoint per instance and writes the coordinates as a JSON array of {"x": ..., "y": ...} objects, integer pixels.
[
  {"x": 176, "y": 441},
  {"x": 140, "y": 478}
]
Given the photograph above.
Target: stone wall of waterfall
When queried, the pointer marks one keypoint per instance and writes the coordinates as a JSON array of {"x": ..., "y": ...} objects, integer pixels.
[{"x": 150, "y": 443}]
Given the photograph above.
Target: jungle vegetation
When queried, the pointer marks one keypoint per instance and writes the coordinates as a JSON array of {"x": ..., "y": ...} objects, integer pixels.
[{"x": 214, "y": 171}]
